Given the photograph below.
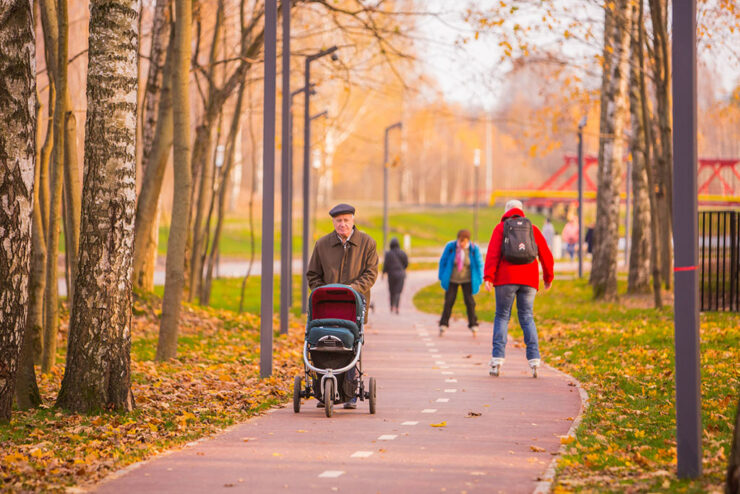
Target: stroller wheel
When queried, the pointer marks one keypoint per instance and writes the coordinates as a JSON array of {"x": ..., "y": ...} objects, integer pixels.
[
  {"x": 329, "y": 397},
  {"x": 371, "y": 391},
  {"x": 297, "y": 394}
]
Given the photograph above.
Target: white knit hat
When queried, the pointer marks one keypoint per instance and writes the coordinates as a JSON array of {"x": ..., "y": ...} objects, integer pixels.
[{"x": 513, "y": 204}]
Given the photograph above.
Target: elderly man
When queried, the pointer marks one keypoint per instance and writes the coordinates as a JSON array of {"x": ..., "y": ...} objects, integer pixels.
[{"x": 345, "y": 256}]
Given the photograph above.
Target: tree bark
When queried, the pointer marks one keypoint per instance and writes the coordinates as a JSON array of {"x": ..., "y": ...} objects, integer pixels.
[
  {"x": 614, "y": 115},
  {"x": 175, "y": 269},
  {"x": 223, "y": 192},
  {"x": 18, "y": 155},
  {"x": 97, "y": 374},
  {"x": 155, "y": 90},
  {"x": 51, "y": 325},
  {"x": 147, "y": 208},
  {"x": 155, "y": 77},
  {"x": 26, "y": 390},
  {"x": 649, "y": 165},
  {"x": 202, "y": 166},
  {"x": 638, "y": 280},
  {"x": 72, "y": 199},
  {"x": 664, "y": 150}
]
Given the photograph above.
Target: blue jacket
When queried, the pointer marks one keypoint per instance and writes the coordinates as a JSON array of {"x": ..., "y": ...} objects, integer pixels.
[{"x": 447, "y": 262}]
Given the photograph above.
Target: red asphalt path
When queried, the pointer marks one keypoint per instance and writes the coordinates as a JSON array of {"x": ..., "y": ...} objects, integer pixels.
[{"x": 422, "y": 380}]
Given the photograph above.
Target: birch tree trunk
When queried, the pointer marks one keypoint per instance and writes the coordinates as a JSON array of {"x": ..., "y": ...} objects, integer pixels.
[
  {"x": 664, "y": 150},
  {"x": 175, "y": 270},
  {"x": 147, "y": 208},
  {"x": 97, "y": 374},
  {"x": 638, "y": 280},
  {"x": 154, "y": 124},
  {"x": 17, "y": 156},
  {"x": 72, "y": 199},
  {"x": 613, "y": 120},
  {"x": 27, "y": 393}
]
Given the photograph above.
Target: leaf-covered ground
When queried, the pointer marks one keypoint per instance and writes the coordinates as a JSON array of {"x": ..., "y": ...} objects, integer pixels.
[
  {"x": 623, "y": 354},
  {"x": 214, "y": 383}
]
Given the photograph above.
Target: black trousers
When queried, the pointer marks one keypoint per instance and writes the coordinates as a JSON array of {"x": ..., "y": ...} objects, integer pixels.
[
  {"x": 451, "y": 295},
  {"x": 395, "y": 286}
]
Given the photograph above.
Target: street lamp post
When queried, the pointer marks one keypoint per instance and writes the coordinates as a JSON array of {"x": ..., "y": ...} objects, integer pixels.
[
  {"x": 386, "y": 165},
  {"x": 286, "y": 183},
  {"x": 581, "y": 125},
  {"x": 288, "y": 231},
  {"x": 307, "y": 166},
  {"x": 686, "y": 249},
  {"x": 476, "y": 165},
  {"x": 268, "y": 184}
]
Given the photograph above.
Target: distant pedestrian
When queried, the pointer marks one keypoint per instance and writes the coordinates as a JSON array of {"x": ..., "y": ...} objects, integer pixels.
[
  {"x": 395, "y": 263},
  {"x": 549, "y": 232},
  {"x": 590, "y": 238},
  {"x": 460, "y": 266},
  {"x": 511, "y": 267},
  {"x": 570, "y": 237}
]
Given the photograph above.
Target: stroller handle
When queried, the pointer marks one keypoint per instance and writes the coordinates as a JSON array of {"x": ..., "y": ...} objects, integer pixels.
[{"x": 332, "y": 371}]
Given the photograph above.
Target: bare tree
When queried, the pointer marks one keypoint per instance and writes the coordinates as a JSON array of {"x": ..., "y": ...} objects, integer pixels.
[
  {"x": 97, "y": 374},
  {"x": 613, "y": 120},
  {"x": 156, "y": 134},
  {"x": 17, "y": 155},
  {"x": 639, "y": 258},
  {"x": 175, "y": 270},
  {"x": 661, "y": 65}
]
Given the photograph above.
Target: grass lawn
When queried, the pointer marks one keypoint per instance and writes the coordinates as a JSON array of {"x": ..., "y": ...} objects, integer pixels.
[
  {"x": 430, "y": 229},
  {"x": 213, "y": 383},
  {"x": 623, "y": 354},
  {"x": 226, "y": 293}
]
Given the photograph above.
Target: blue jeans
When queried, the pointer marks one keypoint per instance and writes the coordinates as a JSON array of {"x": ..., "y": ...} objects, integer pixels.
[{"x": 524, "y": 295}]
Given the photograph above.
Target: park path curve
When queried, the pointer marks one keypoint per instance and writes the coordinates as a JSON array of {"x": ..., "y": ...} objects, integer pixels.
[{"x": 422, "y": 380}]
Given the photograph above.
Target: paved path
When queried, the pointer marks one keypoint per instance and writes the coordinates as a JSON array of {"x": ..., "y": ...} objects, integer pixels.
[{"x": 422, "y": 380}]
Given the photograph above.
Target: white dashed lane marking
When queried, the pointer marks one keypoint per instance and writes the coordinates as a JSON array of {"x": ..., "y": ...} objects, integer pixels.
[
  {"x": 450, "y": 380},
  {"x": 442, "y": 400},
  {"x": 331, "y": 474},
  {"x": 447, "y": 373},
  {"x": 450, "y": 390},
  {"x": 440, "y": 362},
  {"x": 410, "y": 422},
  {"x": 429, "y": 410},
  {"x": 387, "y": 437},
  {"x": 361, "y": 454}
]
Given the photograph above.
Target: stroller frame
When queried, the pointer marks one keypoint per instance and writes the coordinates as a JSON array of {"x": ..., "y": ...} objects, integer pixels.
[{"x": 304, "y": 386}]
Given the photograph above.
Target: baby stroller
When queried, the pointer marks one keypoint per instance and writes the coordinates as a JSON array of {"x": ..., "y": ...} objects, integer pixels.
[{"x": 333, "y": 349}]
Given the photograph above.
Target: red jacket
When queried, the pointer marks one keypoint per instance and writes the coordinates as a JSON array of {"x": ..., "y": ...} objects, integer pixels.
[{"x": 499, "y": 271}]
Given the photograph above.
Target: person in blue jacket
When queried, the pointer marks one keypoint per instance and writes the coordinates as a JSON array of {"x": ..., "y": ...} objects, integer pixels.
[{"x": 461, "y": 266}]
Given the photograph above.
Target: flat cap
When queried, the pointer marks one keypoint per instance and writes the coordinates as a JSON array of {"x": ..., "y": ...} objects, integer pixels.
[{"x": 341, "y": 209}]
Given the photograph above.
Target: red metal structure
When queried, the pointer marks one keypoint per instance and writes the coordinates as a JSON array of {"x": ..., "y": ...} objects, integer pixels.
[{"x": 719, "y": 181}]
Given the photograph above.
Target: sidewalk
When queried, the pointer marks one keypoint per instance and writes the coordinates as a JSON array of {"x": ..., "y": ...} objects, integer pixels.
[{"x": 492, "y": 434}]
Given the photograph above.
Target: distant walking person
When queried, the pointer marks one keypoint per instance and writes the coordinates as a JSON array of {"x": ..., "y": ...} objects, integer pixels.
[
  {"x": 570, "y": 236},
  {"x": 395, "y": 263},
  {"x": 511, "y": 267},
  {"x": 548, "y": 231},
  {"x": 460, "y": 266}
]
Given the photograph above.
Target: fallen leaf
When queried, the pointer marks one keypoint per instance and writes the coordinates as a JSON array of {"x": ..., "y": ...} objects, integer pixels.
[
  {"x": 537, "y": 449},
  {"x": 441, "y": 424},
  {"x": 474, "y": 414}
]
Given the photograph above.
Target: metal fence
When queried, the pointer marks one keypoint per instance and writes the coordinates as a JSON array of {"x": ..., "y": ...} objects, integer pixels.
[{"x": 719, "y": 248}]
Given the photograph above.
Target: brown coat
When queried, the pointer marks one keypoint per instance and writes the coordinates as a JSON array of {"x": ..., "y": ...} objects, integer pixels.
[{"x": 354, "y": 263}]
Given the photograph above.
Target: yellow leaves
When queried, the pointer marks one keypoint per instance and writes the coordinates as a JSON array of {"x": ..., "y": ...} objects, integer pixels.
[
  {"x": 224, "y": 377},
  {"x": 567, "y": 439},
  {"x": 14, "y": 458},
  {"x": 441, "y": 424},
  {"x": 537, "y": 449}
]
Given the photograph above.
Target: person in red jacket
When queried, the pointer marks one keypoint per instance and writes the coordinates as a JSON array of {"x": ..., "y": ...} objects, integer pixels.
[{"x": 515, "y": 281}]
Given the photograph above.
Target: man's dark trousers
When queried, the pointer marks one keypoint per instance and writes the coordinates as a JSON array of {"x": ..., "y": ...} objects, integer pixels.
[{"x": 451, "y": 295}]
